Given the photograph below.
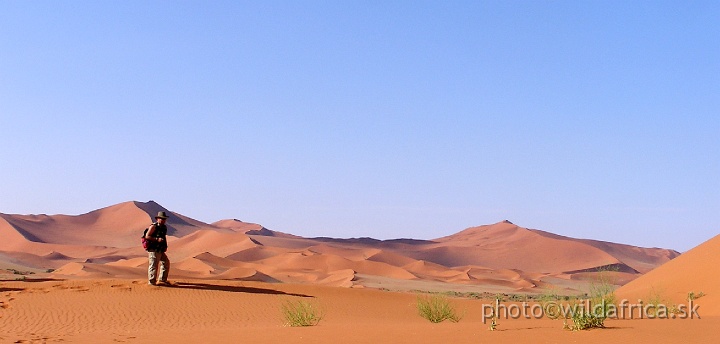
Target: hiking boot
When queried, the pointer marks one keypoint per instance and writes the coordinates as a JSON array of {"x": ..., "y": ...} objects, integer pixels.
[{"x": 151, "y": 283}]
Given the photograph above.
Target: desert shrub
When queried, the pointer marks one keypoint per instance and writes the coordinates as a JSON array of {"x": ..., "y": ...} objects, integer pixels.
[
  {"x": 474, "y": 295},
  {"x": 493, "y": 323},
  {"x": 587, "y": 320},
  {"x": 437, "y": 308},
  {"x": 602, "y": 303},
  {"x": 18, "y": 272},
  {"x": 453, "y": 293},
  {"x": 548, "y": 296},
  {"x": 693, "y": 296},
  {"x": 301, "y": 313},
  {"x": 654, "y": 299}
]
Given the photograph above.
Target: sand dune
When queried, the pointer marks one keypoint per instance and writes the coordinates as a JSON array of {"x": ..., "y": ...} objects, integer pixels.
[
  {"x": 250, "y": 228},
  {"x": 109, "y": 226},
  {"x": 218, "y": 243},
  {"x": 255, "y": 253},
  {"x": 231, "y": 278},
  {"x": 639, "y": 259},
  {"x": 500, "y": 256},
  {"x": 696, "y": 270},
  {"x": 507, "y": 246}
]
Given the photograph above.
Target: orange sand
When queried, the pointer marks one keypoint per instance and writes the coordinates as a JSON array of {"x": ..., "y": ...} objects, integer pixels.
[
  {"x": 88, "y": 283},
  {"x": 210, "y": 311}
]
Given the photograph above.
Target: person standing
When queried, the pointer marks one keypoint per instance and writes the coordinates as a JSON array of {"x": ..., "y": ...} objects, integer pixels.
[{"x": 156, "y": 235}]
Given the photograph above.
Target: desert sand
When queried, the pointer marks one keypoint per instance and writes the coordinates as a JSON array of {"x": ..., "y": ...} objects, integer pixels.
[
  {"x": 81, "y": 279},
  {"x": 202, "y": 311}
]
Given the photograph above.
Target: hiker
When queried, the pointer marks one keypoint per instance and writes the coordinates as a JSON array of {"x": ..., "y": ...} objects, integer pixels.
[{"x": 156, "y": 236}]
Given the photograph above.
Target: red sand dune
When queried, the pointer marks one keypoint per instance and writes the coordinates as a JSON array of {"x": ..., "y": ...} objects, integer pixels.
[
  {"x": 250, "y": 228},
  {"x": 502, "y": 256},
  {"x": 507, "y": 246},
  {"x": 231, "y": 278},
  {"x": 697, "y": 270}
]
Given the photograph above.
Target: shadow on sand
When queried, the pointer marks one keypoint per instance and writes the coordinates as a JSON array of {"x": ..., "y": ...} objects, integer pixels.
[
  {"x": 32, "y": 280},
  {"x": 564, "y": 329},
  {"x": 232, "y": 289},
  {"x": 2, "y": 290}
]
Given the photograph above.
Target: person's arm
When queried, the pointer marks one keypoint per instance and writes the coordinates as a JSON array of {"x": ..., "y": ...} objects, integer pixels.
[{"x": 150, "y": 232}]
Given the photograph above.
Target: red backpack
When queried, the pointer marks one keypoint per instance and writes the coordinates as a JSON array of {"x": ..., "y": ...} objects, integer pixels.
[{"x": 148, "y": 244}]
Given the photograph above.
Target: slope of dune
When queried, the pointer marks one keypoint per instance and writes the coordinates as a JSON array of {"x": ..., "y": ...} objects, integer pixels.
[
  {"x": 506, "y": 246},
  {"x": 13, "y": 237},
  {"x": 104, "y": 227},
  {"x": 520, "y": 249},
  {"x": 696, "y": 271},
  {"x": 395, "y": 259},
  {"x": 256, "y": 253},
  {"x": 639, "y": 259}
]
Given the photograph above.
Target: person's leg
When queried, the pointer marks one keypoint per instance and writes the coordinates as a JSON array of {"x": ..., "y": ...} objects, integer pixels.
[
  {"x": 152, "y": 266},
  {"x": 164, "y": 267}
]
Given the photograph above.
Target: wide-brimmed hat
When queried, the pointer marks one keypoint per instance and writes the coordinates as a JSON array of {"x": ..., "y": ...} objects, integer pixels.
[{"x": 161, "y": 215}]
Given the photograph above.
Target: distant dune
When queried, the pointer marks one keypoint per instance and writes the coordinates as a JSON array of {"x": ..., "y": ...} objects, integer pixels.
[{"x": 500, "y": 257}]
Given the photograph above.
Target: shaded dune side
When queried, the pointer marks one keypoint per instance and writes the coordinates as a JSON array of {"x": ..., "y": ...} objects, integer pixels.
[
  {"x": 256, "y": 253},
  {"x": 178, "y": 225},
  {"x": 391, "y": 258}
]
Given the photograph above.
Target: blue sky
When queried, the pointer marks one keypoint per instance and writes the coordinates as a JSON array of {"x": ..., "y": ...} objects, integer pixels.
[{"x": 388, "y": 119}]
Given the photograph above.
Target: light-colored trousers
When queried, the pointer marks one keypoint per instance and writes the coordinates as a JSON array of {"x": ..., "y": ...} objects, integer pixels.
[{"x": 155, "y": 259}]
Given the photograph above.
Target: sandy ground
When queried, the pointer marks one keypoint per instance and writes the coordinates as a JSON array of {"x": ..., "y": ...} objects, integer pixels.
[
  {"x": 213, "y": 311},
  {"x": 86, "y": 283}
]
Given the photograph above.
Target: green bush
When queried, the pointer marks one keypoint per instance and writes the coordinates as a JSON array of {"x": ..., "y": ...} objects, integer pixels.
[
  {"x": 602, "y": 302},
  {"x": 587, "y": 320},
  {"x": 301, "y": 313},
  {"x": 437, "y": 308}
]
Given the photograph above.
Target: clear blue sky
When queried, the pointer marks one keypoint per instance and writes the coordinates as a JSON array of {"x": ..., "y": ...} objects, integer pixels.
[{"x": 388, "y": 119}]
